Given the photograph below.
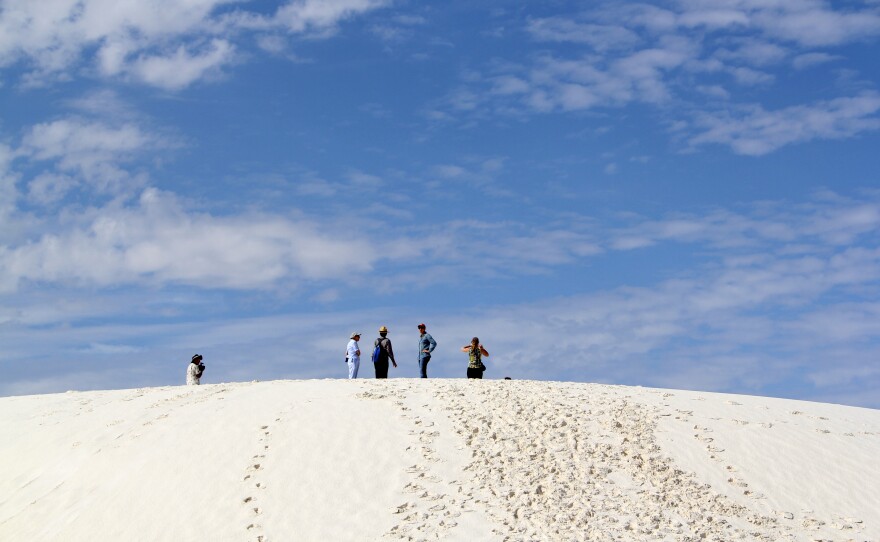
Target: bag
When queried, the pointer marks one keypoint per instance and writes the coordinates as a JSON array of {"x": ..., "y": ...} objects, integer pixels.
[
  {"x": 481, "y": 367},
  {"x": 377, "y": 351}
]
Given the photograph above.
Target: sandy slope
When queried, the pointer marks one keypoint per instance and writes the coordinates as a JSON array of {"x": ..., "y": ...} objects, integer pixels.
[{"x": 448, "y": 459}]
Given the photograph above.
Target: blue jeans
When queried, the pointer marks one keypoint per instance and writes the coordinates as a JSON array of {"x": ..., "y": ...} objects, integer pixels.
[{"x": 423, "y": 366}]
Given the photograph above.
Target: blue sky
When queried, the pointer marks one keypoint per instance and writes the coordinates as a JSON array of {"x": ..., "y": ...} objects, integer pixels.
[{"x": 681, "y": 194}]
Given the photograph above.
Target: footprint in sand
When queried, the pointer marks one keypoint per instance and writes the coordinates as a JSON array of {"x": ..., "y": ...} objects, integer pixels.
[{"x": 254, "y": 471}]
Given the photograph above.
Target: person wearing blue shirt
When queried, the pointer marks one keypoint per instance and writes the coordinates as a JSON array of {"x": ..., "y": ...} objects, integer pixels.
[{"x": 427, "y": 344}]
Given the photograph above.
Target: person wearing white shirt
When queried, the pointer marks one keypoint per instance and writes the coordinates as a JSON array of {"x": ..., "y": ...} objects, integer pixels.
[
  {"x": 353, "y": 355},
  {"x": 194, "y": 371}
]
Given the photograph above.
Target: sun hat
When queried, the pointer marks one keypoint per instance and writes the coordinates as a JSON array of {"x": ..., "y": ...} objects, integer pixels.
[
  {"x": 383, "y": 329},
  {"x": 197, "y": 357},
  {"x": 355, "y": 334}
]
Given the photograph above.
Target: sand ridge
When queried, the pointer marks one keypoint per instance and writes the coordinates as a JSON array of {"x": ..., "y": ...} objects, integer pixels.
[{"x": 410, "y": 459}]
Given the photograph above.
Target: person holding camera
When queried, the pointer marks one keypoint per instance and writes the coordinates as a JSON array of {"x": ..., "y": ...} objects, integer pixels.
[
  {"x": 195, "y": 370},
  {"x": 476, "y": 353}
]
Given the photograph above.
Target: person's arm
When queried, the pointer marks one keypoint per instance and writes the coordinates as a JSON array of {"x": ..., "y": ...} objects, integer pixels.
[
  {"x": 433, "y": 344},
  {"x": 483, "y": 350},
  {"x": 466, "y": 348},
  {"x": 390, "y": 353}
]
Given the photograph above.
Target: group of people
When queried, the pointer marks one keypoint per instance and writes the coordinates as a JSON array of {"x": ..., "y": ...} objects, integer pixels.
[{"x": 382, "y": 354}]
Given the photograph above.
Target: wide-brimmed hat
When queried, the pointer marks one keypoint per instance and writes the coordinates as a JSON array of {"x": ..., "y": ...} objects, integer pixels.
[
  {"x": 383, "y": 329},
  {"x": 197, "y": 357},
  {"x": 355, "y": 334}
]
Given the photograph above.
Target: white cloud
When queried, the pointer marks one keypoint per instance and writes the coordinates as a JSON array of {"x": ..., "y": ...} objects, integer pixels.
[
  {"x": 750, "y": 77},
  {"x": 79, "y": 142},
  {"x": 181, "y": 68},
  {"x": 598, "y": 36},
  {"x": 159, "y": 242},
  {"x": 321, "y": 15},
  {"x": 272, "y": 43},
  {"x": 572, "y": 85},
  {"x": 365, "y": 181},
  {"x": 103, "y": 103},
  {"x": 614, "y": 55},
  {"x": 159, "y": 43},
  {"x": 755, "y": 52},
  {"x": 755, "y": 131},
  {"x": 450, "y": 171},
  {"x": 91, "y": 150},
  {"x": 812, "y": 24},
  {"x": 49, "y": 188},
  {"x": 808, "y": 60},
  {"x": 509, "y": 84},
  {"x": 715, "y": 91},
  {"x": 713, "y": 19},
  {"x": 8, "y": 181},
  {"x": 410, "y": 20}
]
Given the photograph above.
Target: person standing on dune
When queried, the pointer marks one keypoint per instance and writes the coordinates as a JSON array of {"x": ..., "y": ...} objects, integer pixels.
[
  {"x": 385, "y": 353},
  {"x": 353, "y": 355},
  {"x": 476, "y": 352},
  {"x": 194, "y": 371},
  {"x": 427, "y": 344}
]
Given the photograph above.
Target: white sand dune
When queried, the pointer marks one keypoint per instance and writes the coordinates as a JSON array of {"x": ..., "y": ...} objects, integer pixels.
[{"x": 402, "y": 459}]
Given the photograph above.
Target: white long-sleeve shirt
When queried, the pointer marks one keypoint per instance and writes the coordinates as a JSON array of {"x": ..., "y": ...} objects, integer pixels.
[
  {"x": 352, "y": 352},
  {"x": 192, "y": 375}
]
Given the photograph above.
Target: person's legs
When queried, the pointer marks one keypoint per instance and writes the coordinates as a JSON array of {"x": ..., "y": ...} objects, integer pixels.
[
  {"x": 353, "y": 366},
  {"x": 423, "y": 367},
  {"x": 381, "y": 369},
  {"x": 474, "y": 373}
]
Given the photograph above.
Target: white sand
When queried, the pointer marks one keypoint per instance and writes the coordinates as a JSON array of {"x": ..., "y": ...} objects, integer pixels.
[{"x": 438, "y": 459}]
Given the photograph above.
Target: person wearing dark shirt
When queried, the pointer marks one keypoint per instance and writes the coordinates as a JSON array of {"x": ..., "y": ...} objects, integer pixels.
[{"x": 385, "y": 353}]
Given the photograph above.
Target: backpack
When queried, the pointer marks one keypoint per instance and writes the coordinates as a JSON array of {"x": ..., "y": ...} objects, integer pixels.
[{"x": 377, "y": 351}]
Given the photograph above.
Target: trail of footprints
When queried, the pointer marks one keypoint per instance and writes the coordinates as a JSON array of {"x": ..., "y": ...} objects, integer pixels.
[
  {"x": 581, "y": 473},
  {"x": 567, "y": 469},
  {"x": 806, "y": 517},
  {"x": 432, "y": 511},
  {"x": 254, "y": 482}
]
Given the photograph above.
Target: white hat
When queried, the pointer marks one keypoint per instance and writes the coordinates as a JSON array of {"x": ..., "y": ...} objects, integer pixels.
[{"x": 355, "y": 334}]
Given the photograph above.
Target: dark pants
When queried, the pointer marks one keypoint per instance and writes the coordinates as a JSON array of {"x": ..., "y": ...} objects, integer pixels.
[
  {"x": 474, "y": 373},
  {"x": 381, "y": 369},
  {"x": 423, "y": 366}
]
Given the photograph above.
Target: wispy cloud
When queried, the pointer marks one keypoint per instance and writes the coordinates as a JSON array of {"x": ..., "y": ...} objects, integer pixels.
[
  {"x": 755, "y": 131},
  {"x": 617, "y": 55},
  {"x": 169, "y": 45}
]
